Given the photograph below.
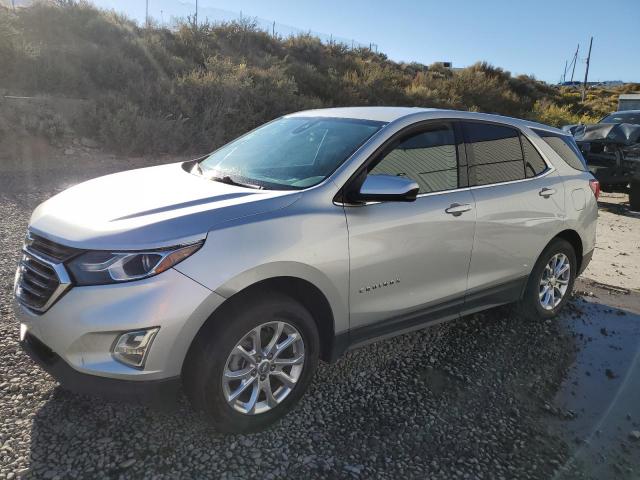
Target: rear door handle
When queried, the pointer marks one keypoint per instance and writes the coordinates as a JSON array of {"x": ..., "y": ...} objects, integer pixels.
[
  {"x": 457, "y": 209},
  {"x": 547, "y": 192}
]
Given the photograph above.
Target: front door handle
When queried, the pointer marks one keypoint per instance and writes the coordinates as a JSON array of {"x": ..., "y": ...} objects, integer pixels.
[
  {"x": 457, "y": 209},
  {"x": 547, "y": 192}
]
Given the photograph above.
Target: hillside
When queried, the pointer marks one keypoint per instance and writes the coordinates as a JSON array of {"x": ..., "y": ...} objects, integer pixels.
[{"x": 192, "y": 88}]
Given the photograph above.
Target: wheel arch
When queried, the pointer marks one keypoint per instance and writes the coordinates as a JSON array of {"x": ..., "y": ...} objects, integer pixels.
[
  {"x": 301, "y": 290},
  {"x": 574, "y": 239}
]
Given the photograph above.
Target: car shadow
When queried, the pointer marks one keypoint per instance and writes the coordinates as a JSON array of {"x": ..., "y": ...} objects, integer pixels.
[{"x": 618, "y": 208}]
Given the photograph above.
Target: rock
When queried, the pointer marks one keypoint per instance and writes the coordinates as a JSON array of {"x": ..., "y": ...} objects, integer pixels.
[
  {"x": 610, "y": 375},
  {"x": 634, "y": 435},
  {"x": 69, "y": 151},
  {"x": 128, "y": 463},
  {"x": 87, "y": 142},
  {"x": 354, "y": 468}
]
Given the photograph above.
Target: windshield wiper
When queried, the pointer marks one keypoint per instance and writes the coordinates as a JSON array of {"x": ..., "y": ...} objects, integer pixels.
[{"x": 230, "y": 181}]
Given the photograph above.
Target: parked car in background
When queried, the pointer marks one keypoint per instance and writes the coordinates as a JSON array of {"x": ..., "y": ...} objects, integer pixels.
[
  {"x": 313, "y": 234},
  {"x": 611, "y": 149}
]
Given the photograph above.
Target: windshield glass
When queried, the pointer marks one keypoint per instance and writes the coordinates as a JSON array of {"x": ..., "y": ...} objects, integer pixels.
[
  {"x": 622, "y": 118},
  {"x": 289, "y": 153}
]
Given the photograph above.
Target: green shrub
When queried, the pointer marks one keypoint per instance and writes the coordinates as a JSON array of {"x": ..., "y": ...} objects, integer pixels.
[{"x": 558, "y": 116}]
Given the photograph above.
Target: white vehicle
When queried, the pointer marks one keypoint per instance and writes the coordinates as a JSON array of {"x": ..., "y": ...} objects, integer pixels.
[{"x": 315, "y": 233}]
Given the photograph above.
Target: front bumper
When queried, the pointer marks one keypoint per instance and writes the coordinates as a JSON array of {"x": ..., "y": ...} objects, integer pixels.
[
  {"x": 158, "y": 392},
  {"x": 81, "y": 328}
]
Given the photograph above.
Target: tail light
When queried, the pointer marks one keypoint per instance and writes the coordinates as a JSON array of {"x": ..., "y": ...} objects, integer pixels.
[{"x": 595, "y": 187}]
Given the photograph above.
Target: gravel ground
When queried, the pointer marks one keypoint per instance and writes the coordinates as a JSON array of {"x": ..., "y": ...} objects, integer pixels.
[{"x": 469, "y": 399}]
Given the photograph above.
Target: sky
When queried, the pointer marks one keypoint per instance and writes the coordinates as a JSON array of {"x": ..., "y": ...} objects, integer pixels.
[{"x": 534, "y": 38}]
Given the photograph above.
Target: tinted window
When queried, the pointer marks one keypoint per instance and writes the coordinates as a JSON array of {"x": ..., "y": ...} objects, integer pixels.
[
  {"x": 566, "y": 147},
  {"x": 495, "y": 154},
  {"x": 533, "y": 163},
  {"x": 428, "y": 157},
  {"x": 622, "y": 118}
]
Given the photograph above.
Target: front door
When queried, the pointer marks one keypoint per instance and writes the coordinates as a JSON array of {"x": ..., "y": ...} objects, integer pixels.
[{"x": 408, "y": 257}]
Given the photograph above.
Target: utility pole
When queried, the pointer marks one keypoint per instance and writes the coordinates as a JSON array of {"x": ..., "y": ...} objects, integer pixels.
[
  {"x": 161, "y": 18},
  {"x": 564, "y": 75},
  {"x": 586, "y": 72},
  {"x": 146, "y": 14},
  {"x": 196, "y": 18},
  {"x": 575, "y": 60},
  {"x": 273, "y": 29}
]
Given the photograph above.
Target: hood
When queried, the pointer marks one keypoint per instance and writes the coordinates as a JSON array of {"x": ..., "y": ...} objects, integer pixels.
[
  {"x": 148, "y": 208},
  {"x": 618, "y": 133}
]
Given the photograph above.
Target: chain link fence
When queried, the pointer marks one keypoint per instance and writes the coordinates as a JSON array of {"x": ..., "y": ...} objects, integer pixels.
[{"x": 170, "y": 16}]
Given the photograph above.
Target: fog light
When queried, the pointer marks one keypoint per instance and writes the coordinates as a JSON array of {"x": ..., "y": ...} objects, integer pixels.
[{"x": 131, "y": 348}]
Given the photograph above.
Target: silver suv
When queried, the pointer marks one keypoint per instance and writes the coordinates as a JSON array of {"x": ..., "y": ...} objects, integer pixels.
[{"x": 233, "y": 274}]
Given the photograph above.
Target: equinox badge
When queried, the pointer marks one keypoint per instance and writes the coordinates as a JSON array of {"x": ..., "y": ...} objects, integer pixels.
[{"x": 375, "y": 286}]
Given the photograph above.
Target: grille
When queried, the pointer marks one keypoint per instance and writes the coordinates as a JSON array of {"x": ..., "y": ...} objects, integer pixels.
[
  {"x": 47, "y": 248},
  {"x": 41, "y": 278}
]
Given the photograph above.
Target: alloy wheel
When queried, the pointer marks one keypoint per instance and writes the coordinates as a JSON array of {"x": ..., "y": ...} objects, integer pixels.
[
  {"x": 263, "y": 368},
  {"x": 554, "y": 281}
]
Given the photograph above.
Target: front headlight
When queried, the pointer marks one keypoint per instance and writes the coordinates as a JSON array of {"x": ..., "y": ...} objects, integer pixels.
[{"x": 102, "y": 267}]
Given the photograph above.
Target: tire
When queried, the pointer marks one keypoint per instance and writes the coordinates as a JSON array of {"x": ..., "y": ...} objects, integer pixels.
[
  {"x": 634, "y": 196},
  {"x": 531, "y": 305},
  {"x": 211, "y": 356}
]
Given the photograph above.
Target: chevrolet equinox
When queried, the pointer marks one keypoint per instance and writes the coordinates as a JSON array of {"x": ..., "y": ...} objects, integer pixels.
[{"x": 232, "y": 275}]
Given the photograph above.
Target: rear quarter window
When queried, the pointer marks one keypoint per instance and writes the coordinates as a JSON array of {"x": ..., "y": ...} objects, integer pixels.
[
  {"x": 534, "y": 164},
  {"x": 566, "y": 147}
]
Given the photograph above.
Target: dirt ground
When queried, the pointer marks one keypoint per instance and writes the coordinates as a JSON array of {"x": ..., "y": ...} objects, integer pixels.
[{"x": 616, "y": 260}]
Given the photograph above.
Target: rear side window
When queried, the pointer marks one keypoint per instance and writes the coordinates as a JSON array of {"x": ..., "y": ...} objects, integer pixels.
[
  {"x": 429, "y": 158},
  {"x": 495, "y": 154},
  {"x": 566, "y": 147}
]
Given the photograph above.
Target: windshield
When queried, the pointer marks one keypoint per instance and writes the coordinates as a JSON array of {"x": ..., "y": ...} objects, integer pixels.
[
  {"x": 622, "y": 118},
  {"x": 289, "y": 153}
]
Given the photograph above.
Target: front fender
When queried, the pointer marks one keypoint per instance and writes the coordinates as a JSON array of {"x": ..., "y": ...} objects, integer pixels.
[{"x": 308, "y": 242}]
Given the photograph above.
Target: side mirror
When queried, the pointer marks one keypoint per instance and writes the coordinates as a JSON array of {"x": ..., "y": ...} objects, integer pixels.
[{"x": 386, "y": 188}]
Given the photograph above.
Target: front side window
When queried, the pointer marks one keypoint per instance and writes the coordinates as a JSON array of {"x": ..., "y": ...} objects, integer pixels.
[
  {"x": 495, "y": 154},
  {"x": 289, "y": 153},
  {"x": 429, "y": 158}
]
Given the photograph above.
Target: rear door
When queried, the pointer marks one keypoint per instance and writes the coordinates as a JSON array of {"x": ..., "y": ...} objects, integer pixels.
[
  {"x": 519, "y": 207},
  {"x": 406, "y": 257}
]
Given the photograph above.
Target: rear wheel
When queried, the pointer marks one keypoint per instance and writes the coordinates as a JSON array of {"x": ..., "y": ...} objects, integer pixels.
[
  {"x": 248, "y": 369},
  {"x": 551, "y": 281},
  {"x": 634, "y": 196}
]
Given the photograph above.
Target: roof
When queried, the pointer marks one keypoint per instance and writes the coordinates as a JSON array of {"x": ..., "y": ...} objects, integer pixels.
[
  {"x": 390, "y": 114},
  {"x": 629, "y": 96},
  {"x": 380, "y": 114}
]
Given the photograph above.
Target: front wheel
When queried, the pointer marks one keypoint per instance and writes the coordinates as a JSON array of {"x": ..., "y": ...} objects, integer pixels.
[
  {"x": 249, "y": 367},
  {"x": 551, "y": 281}
]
